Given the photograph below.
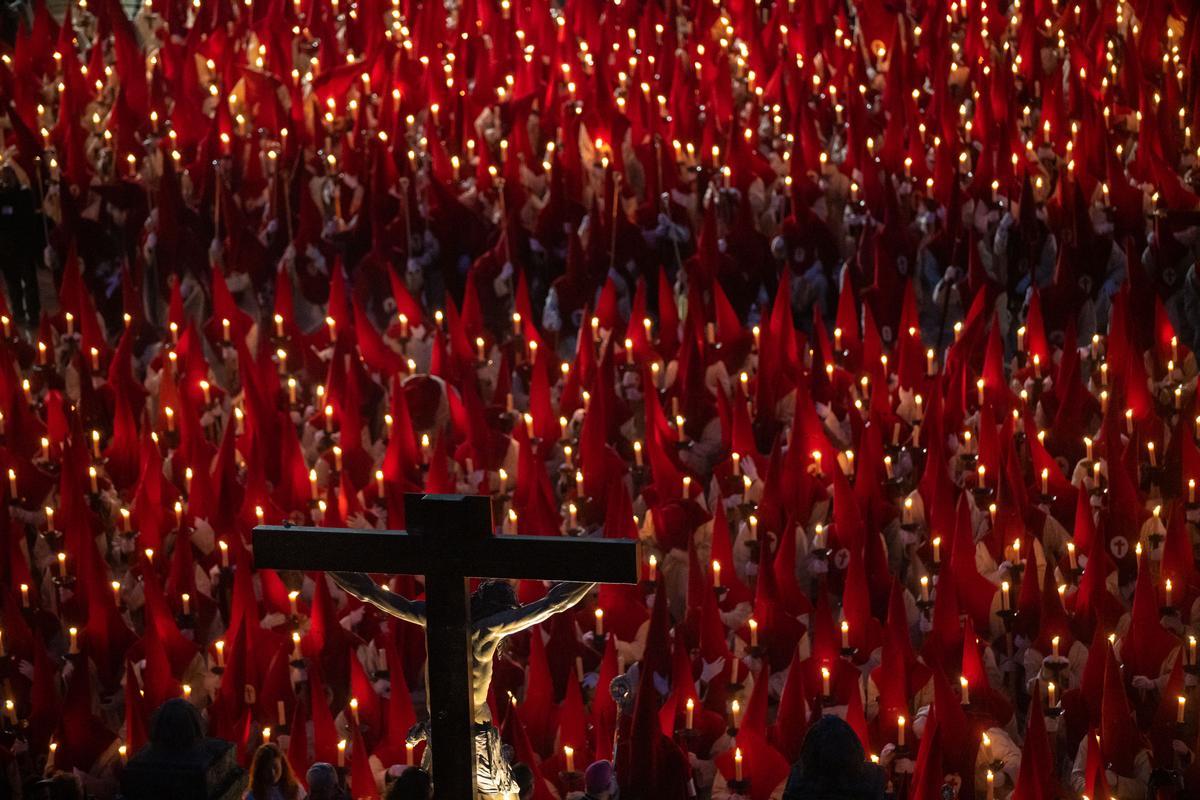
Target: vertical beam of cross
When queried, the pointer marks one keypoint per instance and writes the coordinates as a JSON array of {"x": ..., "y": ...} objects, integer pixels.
[{"x": 451, "y": 702}]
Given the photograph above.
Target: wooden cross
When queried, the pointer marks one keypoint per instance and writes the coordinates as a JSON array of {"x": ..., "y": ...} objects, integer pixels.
[{"x": 449, "y": 540}]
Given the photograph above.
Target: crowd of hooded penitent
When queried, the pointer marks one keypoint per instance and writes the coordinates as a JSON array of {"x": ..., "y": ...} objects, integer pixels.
[{"x": 876, "y": 328}]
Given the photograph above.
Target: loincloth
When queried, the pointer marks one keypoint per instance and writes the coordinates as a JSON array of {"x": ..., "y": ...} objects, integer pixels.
[{"x": 493, "y": 773}]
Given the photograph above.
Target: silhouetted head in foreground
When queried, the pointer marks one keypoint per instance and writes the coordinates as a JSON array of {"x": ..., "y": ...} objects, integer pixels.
[
  {"x": 177, "y": 725},
  {"x": 833, "y": 766}
]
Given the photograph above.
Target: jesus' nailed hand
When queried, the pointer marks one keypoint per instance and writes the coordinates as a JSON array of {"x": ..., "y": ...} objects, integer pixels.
[{"x": 495, "y": 614}]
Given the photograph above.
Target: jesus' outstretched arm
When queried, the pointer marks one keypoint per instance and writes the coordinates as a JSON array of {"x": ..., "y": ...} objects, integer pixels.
[
  {"x": 560, "y": 597},
  {"x": 360, "y": 585}
]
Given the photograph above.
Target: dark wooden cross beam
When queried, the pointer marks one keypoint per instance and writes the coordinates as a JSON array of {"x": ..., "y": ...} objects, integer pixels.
[{"x": 449, "y": 540}]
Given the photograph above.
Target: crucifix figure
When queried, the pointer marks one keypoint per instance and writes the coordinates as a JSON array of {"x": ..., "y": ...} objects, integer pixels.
[{"x": 450, "y": 540}]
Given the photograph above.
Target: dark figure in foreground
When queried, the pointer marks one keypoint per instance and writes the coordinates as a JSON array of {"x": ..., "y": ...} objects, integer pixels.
[{"x": 833, "y": 766}]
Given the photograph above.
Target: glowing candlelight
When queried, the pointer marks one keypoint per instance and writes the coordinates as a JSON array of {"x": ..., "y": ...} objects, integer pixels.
[
  {"x": 845, "y": 635},
  {"x": 1051, "y": 694},
  {"x": 966, "y": 690},
  {"x": 900, "y": 722},
  {"x": 735, "y": 713},
  {"x": 1004, "y": 598},
  {"x": 74, "y": 634},
  {"x": 937, "y": 549},
  {"x": 716, "y": 573},
  {"x": 569, "y": 755},
  {"x": 753, "y": 624},
  {"x": 220, "y": 647},
  {"x": 341, "y": 753},
  {"x": 825, "y": 681},
  {"x": 737, "y": 764},
  {"x": 653, "y": 567},
  {"x": 599, "y": 629},
  {"x": 690, "y": 712}
]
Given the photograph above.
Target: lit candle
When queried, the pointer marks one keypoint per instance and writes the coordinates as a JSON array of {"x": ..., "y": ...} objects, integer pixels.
[
  {"x": 354, "y": 710},
  {"x": 716, "y": 573},
  {"x": 1087, "y": 442},
  {"x": 1054, "y": 646},
  {"x": 900, "y": 730},
  {"x": 599, "y": 622},
  {"x": 825, "y": 681},
  {"x": 735, "y": 712},
  {"x": 1004, "y": 596},
  {"x": 296, "y": 653},
  {"x": 690, "y": 713},
  {"x": 74, "y": 633},
  {"x": 170, "y": 415},
  {"x": 569, "y": 755},
  {"x": 123, "y": 752},
  {"x": 937, "y": 549},
  {"x": 25, "y": 598},
  {"x": 966, "y": 690},
  {"x": 753, "y": 623},
  {"x": 224, "y": 552},
  {"x": 737, "y": 764},
  {"x": 1051, "y": 694},
  {"x": 1168, "y": 588},
  {"x": 187, "y": 603},
  {"x": 62, "y": 565},
  {"x": 1181, "y": 710},
  {"x": 991, "y": 785},
  {"x": 341, "y": 750},
  {"x": 653, "y": 567},
  {"x": 1045, "y": 481},
  {"x": 1150, "y": 453},
  {"x": 293, "y": 597},
  {"x": 408, "y": 753},
  {"x": 924, "y": 588},
  {"x": 220, "y": 648}
]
